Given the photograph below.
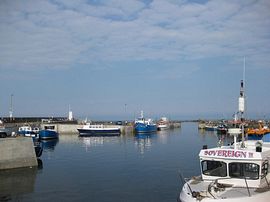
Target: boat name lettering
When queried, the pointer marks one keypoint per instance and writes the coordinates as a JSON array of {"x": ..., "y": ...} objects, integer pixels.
[{"x": 229, "y": 153}]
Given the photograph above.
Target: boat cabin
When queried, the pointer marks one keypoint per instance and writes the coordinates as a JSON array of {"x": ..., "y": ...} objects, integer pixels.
[
  {"x": 237, "y": 166},
  {"x": 25, "y": 128}
]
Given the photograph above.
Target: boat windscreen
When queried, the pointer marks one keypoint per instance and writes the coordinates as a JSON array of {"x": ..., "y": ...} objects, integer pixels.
[
  {"x": 244, "y": 170},
  {"x": 214, "y": 168}
]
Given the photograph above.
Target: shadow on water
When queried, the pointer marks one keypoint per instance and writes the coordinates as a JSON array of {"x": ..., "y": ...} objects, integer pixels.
[
  {"x": 40, "y": 164},
  {"x": 15, "y": 182}
]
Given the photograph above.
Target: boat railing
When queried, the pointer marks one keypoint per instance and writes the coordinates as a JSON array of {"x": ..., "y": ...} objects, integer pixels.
[
  {"x": 214, "y": 185},
  {"x": 264, "y": 176},
  {"x": 247, "y": 186},
  {"x": 218, "y": 185},
  {"x": 185, "y": 181}
]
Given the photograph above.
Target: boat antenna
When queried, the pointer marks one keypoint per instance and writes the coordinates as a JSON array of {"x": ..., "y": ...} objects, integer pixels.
[
  {"x": 244, "y": 71},
  {"x": 241, "y": 102}
]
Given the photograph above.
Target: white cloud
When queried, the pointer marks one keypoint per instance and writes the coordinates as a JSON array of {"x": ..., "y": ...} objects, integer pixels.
[{"x": 62, "y": 34}]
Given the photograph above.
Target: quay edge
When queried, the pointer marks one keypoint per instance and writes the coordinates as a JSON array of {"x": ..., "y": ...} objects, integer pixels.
[{"x": 17, "y": 153}]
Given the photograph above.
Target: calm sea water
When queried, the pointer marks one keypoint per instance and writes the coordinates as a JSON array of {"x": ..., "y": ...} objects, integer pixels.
[{"x": 126, "y": 168}]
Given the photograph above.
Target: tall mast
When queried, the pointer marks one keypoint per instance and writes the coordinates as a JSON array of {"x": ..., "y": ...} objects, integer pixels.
[{"x": 241, "y": 103}]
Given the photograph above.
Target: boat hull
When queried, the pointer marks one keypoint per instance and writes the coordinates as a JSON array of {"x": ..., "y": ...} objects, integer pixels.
[
  {"x": 162, "y": 127},
  {"x": 27, "y": 133},
  {"x": 99, "y": 132},
  {"x": 210, "y": 128},
  {"x": 48, "y": 134},
  {"x": 145, "y": 128}
]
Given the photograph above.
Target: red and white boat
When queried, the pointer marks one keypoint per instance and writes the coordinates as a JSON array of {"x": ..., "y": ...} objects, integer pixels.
[{"x": 163, "y": 124}]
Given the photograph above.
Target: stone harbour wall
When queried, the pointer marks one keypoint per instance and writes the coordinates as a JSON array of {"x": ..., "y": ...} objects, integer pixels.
[{"x": 17, "y": 152}]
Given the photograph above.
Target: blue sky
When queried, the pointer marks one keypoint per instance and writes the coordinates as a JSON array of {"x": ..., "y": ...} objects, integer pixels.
[{"x": 111, "y": 59}]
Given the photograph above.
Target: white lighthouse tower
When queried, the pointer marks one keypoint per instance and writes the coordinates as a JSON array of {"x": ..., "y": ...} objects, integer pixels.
[{"x": 70, "y": 114}]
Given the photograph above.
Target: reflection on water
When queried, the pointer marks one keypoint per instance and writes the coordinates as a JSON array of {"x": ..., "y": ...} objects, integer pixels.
[
  {"x": 16, "y": 182},
  {"x": 95, "y": 141},
  {"x": 89, "y": 142},
  {"x": 222, "y": 139},
  {"x": 164, "y": 135},
  {"x": 144, "y": 142},
  {"x": 115, "y": 167},
  {"x": 40, "y": 164},
  {"x": 49, "y": 144}
]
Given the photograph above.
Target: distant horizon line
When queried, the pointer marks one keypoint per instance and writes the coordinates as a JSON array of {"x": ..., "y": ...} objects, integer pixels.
[{"x": 124, "y": 118}]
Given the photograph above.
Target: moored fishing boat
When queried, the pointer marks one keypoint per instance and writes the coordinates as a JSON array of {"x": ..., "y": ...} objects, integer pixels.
[
  {"x": 238, "y": 172},
  {"x": 144, "y": 126},
  {"x": 231, "y": 173},
  {"x": 163, "y": 124},
  {"x": 48, "y": 132},
  {"x": 27, "y": 131},
  {"x": 98, "y": 130},
  {"x": 260, "y": 133}
]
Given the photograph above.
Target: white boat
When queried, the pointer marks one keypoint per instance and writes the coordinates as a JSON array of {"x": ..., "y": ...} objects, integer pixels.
[
  {"x": 238, "y": 172},
  {"x": 26, "y": 130},
  {"x": 98, "y": 130},
  {"x": 231, "y": 173},
  {"x": 163, "y": 124}
]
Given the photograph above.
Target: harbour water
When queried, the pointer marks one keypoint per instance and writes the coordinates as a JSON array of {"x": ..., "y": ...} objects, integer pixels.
[{"x": 125, "y": 168}]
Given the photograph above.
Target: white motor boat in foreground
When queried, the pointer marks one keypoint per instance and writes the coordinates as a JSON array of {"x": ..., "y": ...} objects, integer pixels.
[
  {"x": 231, "y": 173},
  {"x": 238, "y": 172}
]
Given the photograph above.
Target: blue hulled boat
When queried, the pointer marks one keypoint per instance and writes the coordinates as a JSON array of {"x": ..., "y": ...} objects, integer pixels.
[
  {"x": 48, "y": 133},
  {"x": 145, "y": 126}
]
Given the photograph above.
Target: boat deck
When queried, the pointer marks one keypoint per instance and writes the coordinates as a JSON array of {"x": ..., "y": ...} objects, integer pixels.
[{"x": 210, "y": 190}]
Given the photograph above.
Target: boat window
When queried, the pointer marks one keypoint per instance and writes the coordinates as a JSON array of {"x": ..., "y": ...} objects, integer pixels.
[
  {"x": 265, "y": 169},
  {"x": 49, "y": 127},
  {"x": 214, "y": 168},
  {"x": 244, "y": 170}
]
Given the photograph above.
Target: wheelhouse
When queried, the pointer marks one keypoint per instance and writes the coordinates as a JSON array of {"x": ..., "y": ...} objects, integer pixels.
[{"x": 237, "y": 167}]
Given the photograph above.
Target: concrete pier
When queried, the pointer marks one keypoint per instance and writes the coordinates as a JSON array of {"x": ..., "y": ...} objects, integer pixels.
[
  {"x": 63, "y": 128},
  {"x": 17, "y": 152}
]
